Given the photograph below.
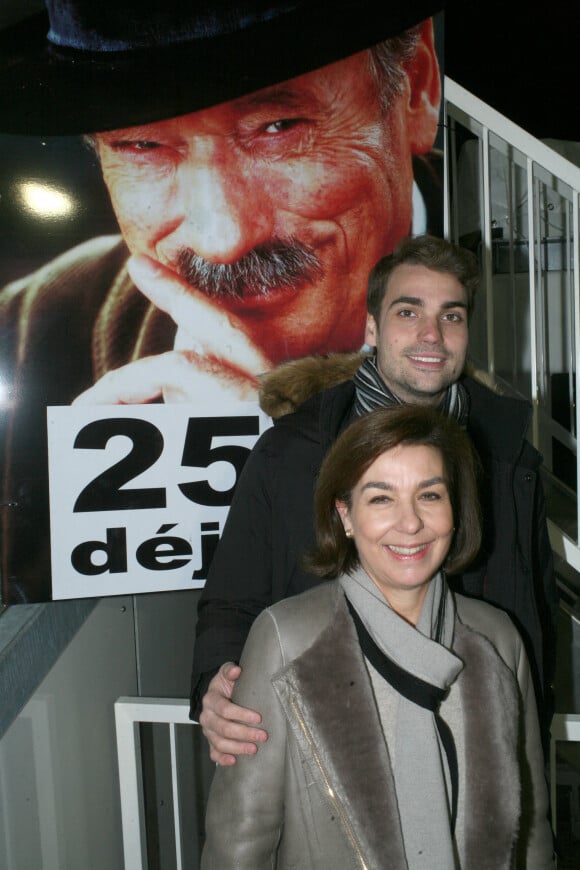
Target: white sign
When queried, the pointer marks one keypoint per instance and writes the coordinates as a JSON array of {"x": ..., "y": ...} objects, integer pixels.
[{"x": 139, "y": 493}]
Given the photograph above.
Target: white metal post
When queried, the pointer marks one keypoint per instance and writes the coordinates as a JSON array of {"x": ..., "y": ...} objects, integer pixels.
[
  {"x": 130, "y": 787},
  {"x": 129, "y": 713}
]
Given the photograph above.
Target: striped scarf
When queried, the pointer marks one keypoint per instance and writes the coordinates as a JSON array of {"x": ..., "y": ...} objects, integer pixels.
[{"x": 372, "y": 393}]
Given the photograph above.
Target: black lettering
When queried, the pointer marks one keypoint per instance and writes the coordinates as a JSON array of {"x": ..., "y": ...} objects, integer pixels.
[
  {"x": 155, "y": 552},
  {"x": 105, "y": 492},
  {"x": 209, "y": 543},
  {"x": 114, "y": 548},
  {"x": 198, "y": 452}
]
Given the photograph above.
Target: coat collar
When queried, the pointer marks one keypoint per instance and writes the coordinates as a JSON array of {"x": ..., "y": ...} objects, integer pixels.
[
  {"x": 284, "y": 389},
  {"x": 328, "y": 700}
]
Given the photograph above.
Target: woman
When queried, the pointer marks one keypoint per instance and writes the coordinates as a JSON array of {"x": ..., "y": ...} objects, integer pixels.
[{"x": 402, "y": 724}]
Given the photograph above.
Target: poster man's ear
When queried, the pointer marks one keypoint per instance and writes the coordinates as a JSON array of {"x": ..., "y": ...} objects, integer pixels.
[{"x": 424, "y": 82}]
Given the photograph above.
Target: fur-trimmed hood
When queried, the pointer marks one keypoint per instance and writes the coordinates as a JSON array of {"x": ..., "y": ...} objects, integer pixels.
[{"x": 286, "y": 387}]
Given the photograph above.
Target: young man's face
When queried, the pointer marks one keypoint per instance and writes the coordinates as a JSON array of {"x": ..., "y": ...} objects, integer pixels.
[
  {"x": 422, "y": 334},
  {"x": 311, "y": 179}
]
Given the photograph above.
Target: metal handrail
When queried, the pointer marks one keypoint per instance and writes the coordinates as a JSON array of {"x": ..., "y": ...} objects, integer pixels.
[
  {"x": 540, "y": 169},
  {"x": 130, "y": 713}
]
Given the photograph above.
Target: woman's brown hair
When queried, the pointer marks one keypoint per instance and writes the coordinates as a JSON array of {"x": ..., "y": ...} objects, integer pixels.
[{"x": 357, "y": 448}]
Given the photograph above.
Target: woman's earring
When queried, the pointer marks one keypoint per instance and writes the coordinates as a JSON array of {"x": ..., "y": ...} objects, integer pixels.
[{"x": 348, "y": 533}]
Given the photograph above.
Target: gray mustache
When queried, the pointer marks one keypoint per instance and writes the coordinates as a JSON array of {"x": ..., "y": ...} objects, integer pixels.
[{"x": 281, "y": 264}]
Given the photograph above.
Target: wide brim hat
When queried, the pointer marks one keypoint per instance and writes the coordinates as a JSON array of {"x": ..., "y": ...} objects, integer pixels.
[{"x": 85, "y": 66}]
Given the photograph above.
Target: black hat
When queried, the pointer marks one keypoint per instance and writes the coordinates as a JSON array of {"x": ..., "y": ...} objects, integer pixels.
[{"x": 89, "y": 65}]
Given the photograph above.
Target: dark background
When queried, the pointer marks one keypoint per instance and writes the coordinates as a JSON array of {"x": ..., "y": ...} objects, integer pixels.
[
  {"x": 521, "y": 61},
  {"x": 520, "y": 58}
]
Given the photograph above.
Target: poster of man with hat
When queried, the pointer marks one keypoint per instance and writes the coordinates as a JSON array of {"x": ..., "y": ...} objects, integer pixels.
[{"x": 260, "y": 156}]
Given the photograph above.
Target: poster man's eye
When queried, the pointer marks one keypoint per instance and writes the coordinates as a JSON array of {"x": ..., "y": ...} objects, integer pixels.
[
  {"x": 282, "y": 125},
  {"x": 135, "y": 145}
]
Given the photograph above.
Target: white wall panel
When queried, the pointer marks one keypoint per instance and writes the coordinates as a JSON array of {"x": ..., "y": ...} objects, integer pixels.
[{"x": 59, "y": 796}]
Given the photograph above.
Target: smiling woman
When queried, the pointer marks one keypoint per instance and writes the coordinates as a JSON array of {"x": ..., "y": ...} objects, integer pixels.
[
  {"x": 400, "y": 520},
  {"x": 400, "y": 472},
  {"x": 383, "y": 680}
]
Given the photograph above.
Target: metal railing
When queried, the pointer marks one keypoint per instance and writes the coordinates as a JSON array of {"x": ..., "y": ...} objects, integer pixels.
[
  {"x": 564, "y": 728},
  {"x": 515, "y": 201},
  {"x": 130, "y": 714}
]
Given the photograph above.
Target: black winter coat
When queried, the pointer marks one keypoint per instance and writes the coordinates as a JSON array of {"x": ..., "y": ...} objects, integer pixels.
[{"x": 270, "y": 527}]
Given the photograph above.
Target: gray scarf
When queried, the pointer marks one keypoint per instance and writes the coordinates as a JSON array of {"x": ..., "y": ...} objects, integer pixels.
[
  {"x": 371, "y": 392},
  {"x": 421, "y": 775}
]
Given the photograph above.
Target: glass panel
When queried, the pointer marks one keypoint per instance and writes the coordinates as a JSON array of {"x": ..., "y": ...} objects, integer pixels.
[{"x": 502, "y": 338}]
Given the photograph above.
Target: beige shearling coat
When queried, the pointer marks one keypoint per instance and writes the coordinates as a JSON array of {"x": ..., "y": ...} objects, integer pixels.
[{"x": 319, "y": 795}]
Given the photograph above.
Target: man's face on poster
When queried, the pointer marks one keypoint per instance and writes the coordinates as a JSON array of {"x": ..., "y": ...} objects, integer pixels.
[{"x": 277, "y": 205}]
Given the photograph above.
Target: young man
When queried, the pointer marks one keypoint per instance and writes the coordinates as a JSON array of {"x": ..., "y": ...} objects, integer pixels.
[{"x": 419, "y": 302}]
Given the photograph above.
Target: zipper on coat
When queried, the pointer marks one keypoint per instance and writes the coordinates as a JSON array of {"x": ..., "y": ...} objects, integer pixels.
[{"x": 330, "y": 791}]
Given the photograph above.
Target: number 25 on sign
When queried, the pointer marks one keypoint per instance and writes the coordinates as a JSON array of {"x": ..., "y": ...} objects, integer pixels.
[{"x": 138, "y": 497}]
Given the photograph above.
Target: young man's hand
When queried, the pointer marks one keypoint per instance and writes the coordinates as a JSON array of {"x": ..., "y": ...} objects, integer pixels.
[{"x": 228, "y": 727}]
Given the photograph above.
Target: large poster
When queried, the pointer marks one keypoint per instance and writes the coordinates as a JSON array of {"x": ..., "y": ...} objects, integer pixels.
[{"x": 190, "y": 195}]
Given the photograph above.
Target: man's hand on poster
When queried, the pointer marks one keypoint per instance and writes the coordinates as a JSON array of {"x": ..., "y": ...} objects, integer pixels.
[{"x": 212, "y": 354}]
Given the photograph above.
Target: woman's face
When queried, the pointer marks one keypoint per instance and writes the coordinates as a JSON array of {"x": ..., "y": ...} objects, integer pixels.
[{"x": 401, "y": 521}]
